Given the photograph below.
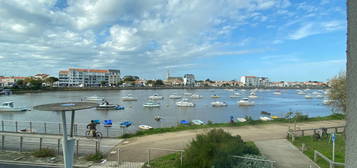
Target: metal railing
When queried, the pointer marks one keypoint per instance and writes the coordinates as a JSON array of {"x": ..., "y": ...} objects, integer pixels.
[
  {"x": 270, "y": 162},
  {"x": 331, "y": 163},
  {"x": 302, "y": 132}
]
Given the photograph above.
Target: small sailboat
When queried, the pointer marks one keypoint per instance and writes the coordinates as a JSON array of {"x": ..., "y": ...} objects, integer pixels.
[
  {"x": 95, "y": 98},
  {"x": 175, "y": 96},
  {"x": 145, "y": 127},
  {"x": 252, "y": 95},
  {"x": 215, "y": 96},
  {"x": 156, "y": 97},
  {"x": 187, "y": 94},
  {"x": 219, "y": 104},
  {"x": 246, "y": 102},
  {"x": 275, "y": 117},
  {"x": 151, "y": 104},
  {"x": 185, "y": 103},
  {"x": 126, "y": 124},
  {"x": 241, "y": 119},
  {"x": 265, "y": 118},
  {"x": 308, "y": 96},
  {"x": 129, "y": 97},
  {"x": 196, "y": 96},
  {"x": 106, "y": 106},
  {"x": 277, "y": 92},
  {"x": 184, "y": 122},
  {"x": 197, "y": 122},
  {"x": 319, "y": 96}
]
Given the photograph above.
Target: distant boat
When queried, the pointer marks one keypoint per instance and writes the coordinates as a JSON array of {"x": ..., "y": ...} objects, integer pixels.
[
  {"x": 316, "y": 93},
  {"x": 319, "y": 96},
  {"x": 184, "y": 122},
  {"x": 196, "y": 96},
  {"x": 126, "y": 124},
  {"x": 156, "y": 97},
  {"x": 187, "y": 94},
  {"x": 106, "y": 106},
  {"x": 129, "y": 97},
  {"x": 175, "y": 96},
  {"x": 185, "y": 103},
  {"x": 327, "y": 102},
  {"x": 151, "y": 104},
  {"x": 265, "y": 118},
  {"x": 9, "y": 107},
  {"x": 275, "y": 117},
  {"x": 265, "y": 113},
  {"x": 241, "y": 119},
  {"x": 246, "y": 102},
  {"x": 301, "y": 93},
  {"x": 252, "y": 95},
  {"x": 308, "y": 96},
  {"x": 197, "y": 122},
  {"x": 95, "y": 98},
  {"x": 277, "y": 92},
  {"x": 145, "y": 127},
  {"x": 234, "y": 96},
  {"x": 219, "y": 104},
  {"x": 215, "y": 96}
]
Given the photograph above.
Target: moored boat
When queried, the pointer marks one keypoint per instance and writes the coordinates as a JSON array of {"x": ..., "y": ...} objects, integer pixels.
[
  {"x": 106, "y": 106},
  {"x": 145, "y": 127},
  {"x": 219, "y": 104},
  {"x": 151, "y": 104},
  {"x": 196, "y": 96},
  {"x": 126, "y": 124},
  {"x": 129, "y": 97},
  {"x": 252, "y": 95},
  {"x": 95, "y": 98},
  {"x": 241, "y": 119},
  {"x": 215, "y": 96},
  {"x": 277, "y": 92},
  {"x": 9, "y": 107},
  {"x": 184, "y": 103},
  {"x": 308, "y": 96},
  {"x": 197, "y": 122},
  {"x": 265, "y": 118},
  {"x": 156, "y": 97},
  {"x": 246, "y": 102},
  {"x": 175, "y": 96}
]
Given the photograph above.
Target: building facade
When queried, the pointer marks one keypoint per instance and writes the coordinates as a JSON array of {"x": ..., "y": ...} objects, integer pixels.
[
  {"x": 255, "y": 81},
  {"x": 189, "y": 80},
  {"x": 74, "y": 77},
  {"x": 10, "y": 81}
]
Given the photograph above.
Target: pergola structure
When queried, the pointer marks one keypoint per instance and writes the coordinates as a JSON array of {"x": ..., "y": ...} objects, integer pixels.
[{"x": 68, "y": 142}]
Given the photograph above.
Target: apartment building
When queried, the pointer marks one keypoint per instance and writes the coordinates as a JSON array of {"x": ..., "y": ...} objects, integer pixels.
[
  {"x": 189, "y": 80},
  {"x": 254, "y": 81},
  {"x": 75, "y": 77}
]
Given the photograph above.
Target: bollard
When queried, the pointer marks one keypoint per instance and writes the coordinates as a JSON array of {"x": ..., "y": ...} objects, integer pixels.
[
  {"x": 3, "y": 142},
  {"x": 59, "y": 128},
  {"x": 181, "y": 158},
  {"x": 2, "y": 125},
  {"x": 21, "y": 141},
  {"x": 31, "y": 127},
  {"x": 16, "y": 129},
  {"x": 41, "y": 143},
  {"x": 58, "y": 146},
  {"x": 45, "y": 127},
  {"x": 118, "y": 157}
]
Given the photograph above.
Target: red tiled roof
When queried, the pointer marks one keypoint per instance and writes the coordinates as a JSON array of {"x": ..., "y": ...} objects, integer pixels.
[
  {"x": 63, "y": 72},
  {"x": 89, "y": 70}
]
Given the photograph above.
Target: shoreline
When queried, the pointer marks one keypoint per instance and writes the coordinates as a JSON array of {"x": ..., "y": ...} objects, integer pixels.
[{"x": 58, "y": 89}]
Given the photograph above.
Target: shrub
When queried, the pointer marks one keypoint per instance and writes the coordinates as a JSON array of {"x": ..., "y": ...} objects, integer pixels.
[
  {"x": 46, "y": 152},
  {"x": 300, "y": 117},
  {"x": 216, "y": 148},
  {"x": 247, "y": 163},
  {"x": 95, "y": 157}
]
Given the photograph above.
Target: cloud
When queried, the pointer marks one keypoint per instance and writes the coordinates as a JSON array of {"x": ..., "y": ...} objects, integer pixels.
[{"x": 308, "y": 29}]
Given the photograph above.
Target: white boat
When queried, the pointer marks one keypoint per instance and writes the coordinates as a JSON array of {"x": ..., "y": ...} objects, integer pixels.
[
  {"x": 145, "y": 127},
  {"x": 175, "y": 96},
  {"x": 265, "y": 118},
  {"x": 129, "y": 97},
  {"x": 95, "y": 98},
  {"x": 308, "y": 96},
  {"x": 184, "y": 103},
  {"x": 234, "y": 96},
  {"x": 196, "y": 96},
  {"x": 156, "y": 97},
  {"x": 277, "y": 92},
  {"x": 106, "y": 106},
  {"x": 319, "y": 96},
  {"x": 151, "y": 104},
  {"x": 252, "y": 95},
  {"x": 219, "y": 104},
  {"x": 187, "y": 94},
  {"x": 246, "y": 102},
  {"x": 316, "y": 93},
  {"x": 197, "y": 122},
  {"x": 327, "y": 102},
  {"x": 215, "y": 96},
  {"x": 241, "y": 119},
  {"x": 9, "y": 107},
  {"x": 301, "y": 93}
]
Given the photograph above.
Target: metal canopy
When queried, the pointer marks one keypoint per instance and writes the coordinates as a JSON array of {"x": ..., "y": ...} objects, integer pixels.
[
  {"x": 68, "y": 142},
  {"x": 66, "y": 106}
]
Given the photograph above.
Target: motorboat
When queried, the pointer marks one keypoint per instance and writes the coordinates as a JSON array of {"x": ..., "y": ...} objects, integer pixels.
[
  {"x": 126, "y": 124},
  {"x": 156, "y": 97},
  {"x": 95, "y": 98},
  {"x": 265, "y": 118},
  {"x": 197, "y": 122},
  {"x": 151, "y": 104},
  {"x": 187, "y": 94},
  {"x": 9, "y": 107},
  {"x": 319, "y": 96},
  {"x": 175, "y": 96},
  {"x": 301, "y": 93},
  {"x": 252, "y": 95},
  {"x": 277, "y": 92},
  {"x": 275, "y": 117},
  {"x": 184, "y": 103},
  {"x": 145, "y": 127},
  {"x": 241, "y": 119},
  {"x": 184, "y": 122},
  {"x": 246, "y": 102},
  {"x": 106, "y": 106},
  {"x": 129, "y": 97},
  {"x": 219, "y": 104},
  {"x": 215, "y": 96},
  {"x": 308, "y": 96},
  {"x": 196, "y": 96},
  {"x": 234, "y": 96}
]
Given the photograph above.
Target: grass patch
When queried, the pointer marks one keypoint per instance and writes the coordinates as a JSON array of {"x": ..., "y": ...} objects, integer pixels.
[
  {"x": 236, "y": 124},
  {"x": 167, "y": 161},
  {"x": 44, "y": 153},
  {"x": 324, "y": 146},
  {"x": 97, "y": 157}
]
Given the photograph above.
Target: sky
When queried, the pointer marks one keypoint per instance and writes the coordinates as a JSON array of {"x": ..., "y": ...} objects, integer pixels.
[{"x": 285, "y": 40}]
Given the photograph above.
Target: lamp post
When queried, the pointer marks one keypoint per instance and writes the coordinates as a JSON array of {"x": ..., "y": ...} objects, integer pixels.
[{"x": 67, "y": 142}]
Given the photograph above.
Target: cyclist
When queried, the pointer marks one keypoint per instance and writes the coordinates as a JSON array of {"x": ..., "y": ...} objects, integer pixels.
[{"x": 92, "y": 126}]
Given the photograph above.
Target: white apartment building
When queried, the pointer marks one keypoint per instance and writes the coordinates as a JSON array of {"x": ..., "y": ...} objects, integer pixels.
[
  {"x": 189, "y": 80},
  {"x": 88, "y": 77},
  {"x": 254, "y": 81}
]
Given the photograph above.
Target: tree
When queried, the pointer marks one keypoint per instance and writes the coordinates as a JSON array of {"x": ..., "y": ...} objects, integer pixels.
[
  {"x": 159, "y": 83},
  {"x": 51, "y": 80},
  {"x": 338, "y": 91}
]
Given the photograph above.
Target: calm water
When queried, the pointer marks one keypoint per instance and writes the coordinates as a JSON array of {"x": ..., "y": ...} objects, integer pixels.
[{"x": 135, "y": 112}]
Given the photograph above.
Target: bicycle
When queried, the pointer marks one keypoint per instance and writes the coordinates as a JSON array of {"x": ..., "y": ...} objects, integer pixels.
[{"x": 98, "y": 134}]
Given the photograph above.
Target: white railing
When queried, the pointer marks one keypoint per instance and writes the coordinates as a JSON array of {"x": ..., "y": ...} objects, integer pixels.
[{"x": 332, "y": 164}]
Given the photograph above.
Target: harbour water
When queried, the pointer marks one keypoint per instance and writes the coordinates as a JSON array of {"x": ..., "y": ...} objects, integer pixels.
[{"x": 277, "y": 105}]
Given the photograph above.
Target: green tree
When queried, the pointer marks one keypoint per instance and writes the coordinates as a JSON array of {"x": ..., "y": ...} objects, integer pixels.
[
  {"x": 159, "y": 83},
  {"x": 51, "y": 80},
  {"x": 338, "y": 91}
]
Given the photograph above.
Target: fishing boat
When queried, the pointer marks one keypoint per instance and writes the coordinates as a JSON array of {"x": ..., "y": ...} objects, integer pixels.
[
  {"x": 265, "y": 118},
  {"x": 197, "y": 122},
  {"x": 252, "y": 95},
  {"x": 184, "y": 122},
  {"x": 126, "y": 124},
  {"x": 129, "y": 97},
  {"x": 219, "y": 104},
  {"x": 106, "y": 106},
  {"x": 151, "y": 104},
  {"x": 95, "y": 98},
  {"x": 9, "y": 107},
  {"x": 145, "y": 127},
  {"x": 175, "y": 96},
  {"x": 241, "y": 119},
  {"x": 308, "y": 96},
  {"x": 246, "y": 102},
  {"x": 196, "y": 96},
  {"x": 156, "y": 97},
  {"x": 277, "y": 92},
  {"x": 215, "y": 96},
  {"x": 185, "y": 103}
]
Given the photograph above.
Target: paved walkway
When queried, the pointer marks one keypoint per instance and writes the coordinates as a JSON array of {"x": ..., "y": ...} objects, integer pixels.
[{"x": 282, "y": 151}]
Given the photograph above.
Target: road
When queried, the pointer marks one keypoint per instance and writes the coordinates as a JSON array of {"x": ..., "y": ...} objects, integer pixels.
[
  {"x": 17, "y": 165},
  {"x": 136, "y": 149}
]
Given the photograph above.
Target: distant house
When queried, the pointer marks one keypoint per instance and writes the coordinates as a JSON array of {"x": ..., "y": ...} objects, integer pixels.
[
  {"x": 174, "y": 81},
  {"x": 10, "y": 81},
  {"x": 189, "y": 80}
]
